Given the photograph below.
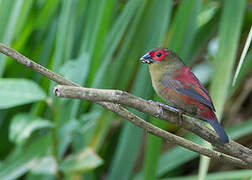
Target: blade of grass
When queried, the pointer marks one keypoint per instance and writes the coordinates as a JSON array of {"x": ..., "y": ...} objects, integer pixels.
[
  {"x": 205, "y": 33},
  {"x": 39, "y": 19},
  {"x": 244, "y": 52},
  {"x": 110, "y": 76},
  {"x": 130, "y": 137},
  {"x": 227, "y": 175},
  {"x": 5, "y": 13},
  {"x": 185, "y": 155},
  {"x": 163, "y": 168},
  {"x": 99, "y": 32},
  {"x": 9, "y": 31},
  {"x": 155, "y": 37},
  {"x": 110, "y": 45},
  {"x": 157, "y": 33},
  {"x": 62, "y": 31},
  {"x": 122, "y": 160},
  {"x": 152, "y": 152},
  {"x": 47, "y": 47},
  {"x": 245, "y": 69},
  {"x": 228, "y": 43},
  {"x": 62, "y": 49},
  {"x": 94, "y": 36},
  {"x": 23, "y": 16},
  {"x": 23, "y": 159},
  {"x": 177, "y": 30},
  {"x": 114, "y": 37},
  {"x": 183, "y": 28},
  {"x": 47, "y": 13}
]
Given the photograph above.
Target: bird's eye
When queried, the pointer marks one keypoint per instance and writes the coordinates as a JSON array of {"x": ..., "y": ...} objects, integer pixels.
[{"x": 158, "y": 54}]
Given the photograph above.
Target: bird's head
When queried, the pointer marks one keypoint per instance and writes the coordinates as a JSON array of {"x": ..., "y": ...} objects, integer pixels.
[{"x": 158, "y": 55}]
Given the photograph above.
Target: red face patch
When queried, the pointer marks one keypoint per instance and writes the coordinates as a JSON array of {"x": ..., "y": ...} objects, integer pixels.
[{"x": 158, "y": 55}]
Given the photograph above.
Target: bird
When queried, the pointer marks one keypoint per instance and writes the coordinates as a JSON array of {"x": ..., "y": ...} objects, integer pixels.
[{"x": 175, "y": 83}]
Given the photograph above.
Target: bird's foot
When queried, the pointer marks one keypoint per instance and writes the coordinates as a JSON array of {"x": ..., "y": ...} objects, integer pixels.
[
  {"x": 164, "y": 106},
  {"x": 169, "y": 108},
  {"x": 161, "y": 112}
]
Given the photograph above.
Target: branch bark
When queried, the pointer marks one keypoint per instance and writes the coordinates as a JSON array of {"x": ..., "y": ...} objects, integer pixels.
[
  {"x": 111, "y": 98},
  {"x": 124, "y": 98},
  {"x": 95, "y": 95},
  {"x": 34, "y": 66}
]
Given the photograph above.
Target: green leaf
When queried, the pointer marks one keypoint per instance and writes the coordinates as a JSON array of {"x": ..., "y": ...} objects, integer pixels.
[
  {"x": 115, "y": 35},
  {"x": 228, "y": 38},
  {"x": 203, "y": 71},
  {"x": 83, "y": 161},
  {"x": 244, "y": 52},
  {"x": 63, "y": 28},
  {"x": 9, "y": 30},
  {"x": 98, "y": 24},
  {"x": 65, "y": 133},
  {"x": 205, "y": 33},
  {"x": 152, "y": 154},
  {"x": 98, "y": 43},
  {"x": 186, "y": 155},
  {"x": 22, "y": 126},
  {"x": 25, "y": 158},
  {"x": 228, "y": 43},
  {"x": 245, "y": 69},
  {"x": 76, "y": 70},
  {"x": 183, "y": 28},
  {"x": 240, "y": 130},
  {"x": 227, "y": 175},
  {"x": 25, "y": 10},
  {"x": 15, "y": 92},
  {"x": 47, "y": 13},
  {"x": 5, "y": 12},
  {"x": 207, "y": 12},
  {"x": 45, "y": 165},
  {"x": 173, "y": 154},
  {"x": 131, "y": 136}
]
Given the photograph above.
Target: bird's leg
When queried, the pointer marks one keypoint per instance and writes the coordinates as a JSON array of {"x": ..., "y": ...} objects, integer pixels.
[
  {"x": 161, "y": 112},
  {"x": 180, "y": 113},
  {"x": 169, "y": 108},
  {"x": 165, "y": 106}
]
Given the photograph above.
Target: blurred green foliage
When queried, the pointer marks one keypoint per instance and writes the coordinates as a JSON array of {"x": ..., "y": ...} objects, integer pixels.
[{"x": 98, "y": 43}]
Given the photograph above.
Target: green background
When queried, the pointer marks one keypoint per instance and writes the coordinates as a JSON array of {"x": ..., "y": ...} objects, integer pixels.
[{"x": 98, "y": 43}]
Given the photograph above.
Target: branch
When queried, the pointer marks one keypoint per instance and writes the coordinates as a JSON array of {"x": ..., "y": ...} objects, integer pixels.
[
  {"x": 115, "y": 97},
  {"x": 124, "y": 98},
  {"x": 65, "y": 91},
  {"x": 116, "y": 108},
  {"x": 34, "y": 66}
]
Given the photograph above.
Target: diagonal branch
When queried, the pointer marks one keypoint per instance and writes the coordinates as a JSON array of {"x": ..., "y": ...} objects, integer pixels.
[
  {"x": 34, "y": 66},
  {"x": 124, "y": 98},
  {"x": 115, "y": 97},
  {"x": 65, "y": 91}
]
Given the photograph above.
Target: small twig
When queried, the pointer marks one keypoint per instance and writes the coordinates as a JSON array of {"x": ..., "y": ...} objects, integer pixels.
[
  {"x": 232, "y": 148},
  {"x": 34, "y": 66}
]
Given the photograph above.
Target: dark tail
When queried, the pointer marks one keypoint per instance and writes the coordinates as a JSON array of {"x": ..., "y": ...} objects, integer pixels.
[{"x": 219, "y": 130}]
